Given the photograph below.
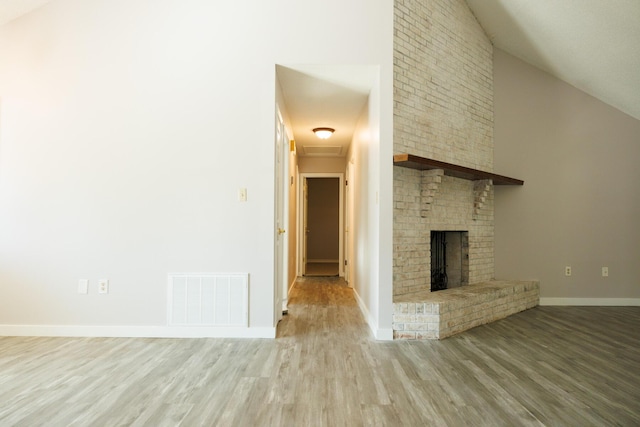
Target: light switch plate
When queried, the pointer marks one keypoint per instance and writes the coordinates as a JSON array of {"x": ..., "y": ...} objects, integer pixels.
[{"x": 83, "y": 286}]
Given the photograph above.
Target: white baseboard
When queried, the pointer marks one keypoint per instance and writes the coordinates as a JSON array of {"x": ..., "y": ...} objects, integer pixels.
[
  {"x": 134, "y": 331},
  {"x": 381, "y": 334},
  {"x": 384, "y": 334},
  {"x": 591, "y": 301}
]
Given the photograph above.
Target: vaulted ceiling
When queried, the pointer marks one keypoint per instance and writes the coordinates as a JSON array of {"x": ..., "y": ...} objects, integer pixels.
[{"x": 594, "y": 45}]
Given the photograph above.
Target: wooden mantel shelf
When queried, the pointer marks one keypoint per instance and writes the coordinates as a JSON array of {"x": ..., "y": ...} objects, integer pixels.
[{"x": 422, "y": 163}]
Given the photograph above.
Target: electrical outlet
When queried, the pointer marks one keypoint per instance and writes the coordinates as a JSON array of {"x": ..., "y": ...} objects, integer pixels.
[
  {"x": 83, "y": 286},
  {"x": 605, "y": 271},
  {"x": 567, "y": 271},
  {"x": 103, "y": 286}
]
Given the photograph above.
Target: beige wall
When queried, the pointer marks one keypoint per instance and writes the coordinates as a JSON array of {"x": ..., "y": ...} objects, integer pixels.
[
  {"x": 580, "y": 203},
  {"x": 321, "y": 164}
]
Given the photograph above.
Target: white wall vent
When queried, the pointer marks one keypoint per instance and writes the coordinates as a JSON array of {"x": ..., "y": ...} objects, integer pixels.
[
  {"x": 208, "y": 299},
  {"x": 322, "y": 150}
]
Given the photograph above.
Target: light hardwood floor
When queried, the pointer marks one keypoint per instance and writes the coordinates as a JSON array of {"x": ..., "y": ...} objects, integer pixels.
[
  {"x": 571, "y": 366},
  {"x": 320, "y": 269}
]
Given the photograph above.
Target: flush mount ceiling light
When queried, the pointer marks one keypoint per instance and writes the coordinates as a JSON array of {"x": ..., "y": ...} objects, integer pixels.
[{"x": 323, "y": 133}]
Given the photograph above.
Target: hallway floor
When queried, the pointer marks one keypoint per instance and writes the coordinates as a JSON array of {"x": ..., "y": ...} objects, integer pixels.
[
  {"x": 320, "y": 269},
  {"x": 570, "y": 366}
]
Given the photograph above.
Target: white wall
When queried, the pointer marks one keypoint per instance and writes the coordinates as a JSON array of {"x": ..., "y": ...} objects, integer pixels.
[
  {"x": 370, "y": 228},
  {"x": 312, "y": 164},
  {"x": 127, "y": 128},
  {"x": 580, "y": 203}
]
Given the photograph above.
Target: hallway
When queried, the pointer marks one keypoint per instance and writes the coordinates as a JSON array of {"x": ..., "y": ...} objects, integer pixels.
[{"x": 546, "y": 366}]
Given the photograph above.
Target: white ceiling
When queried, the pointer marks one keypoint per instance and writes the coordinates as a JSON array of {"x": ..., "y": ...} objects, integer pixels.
[
  {"x": 325, "y": 96},
  {"x": 594, "y": 45}
]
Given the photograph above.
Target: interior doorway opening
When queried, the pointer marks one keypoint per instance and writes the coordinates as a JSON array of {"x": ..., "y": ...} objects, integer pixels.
[
  {"x": 323, "y": 234},
  {"x": 321, "y": 214}
]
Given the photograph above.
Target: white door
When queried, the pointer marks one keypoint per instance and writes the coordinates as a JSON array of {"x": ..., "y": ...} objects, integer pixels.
[{"x": 281, "y": 217}]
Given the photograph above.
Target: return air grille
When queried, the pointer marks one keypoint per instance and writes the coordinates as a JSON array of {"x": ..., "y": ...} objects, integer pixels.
[
  {"x": 322, "y": 150},
  {"x": 209, "y": 299}
]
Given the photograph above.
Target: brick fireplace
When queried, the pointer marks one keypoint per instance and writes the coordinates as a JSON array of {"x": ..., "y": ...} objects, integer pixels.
[
  {"x": 443, "y": 126},
  {"x": 443, "y": 97}
]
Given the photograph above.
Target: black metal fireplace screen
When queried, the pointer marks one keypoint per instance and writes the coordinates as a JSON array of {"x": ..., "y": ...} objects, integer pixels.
[{"x": 439, "y": 277}]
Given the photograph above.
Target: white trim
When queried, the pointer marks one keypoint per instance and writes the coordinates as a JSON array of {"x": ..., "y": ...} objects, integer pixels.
[
  {"x": 379, "y": 334},
  {"x": 292, "y": 284},
  {"x": 134, "y": 331},
  {"x": 591, "y": 301},
  {"x": 285, "y": 302},
  {"x": 385, "y": 334}
]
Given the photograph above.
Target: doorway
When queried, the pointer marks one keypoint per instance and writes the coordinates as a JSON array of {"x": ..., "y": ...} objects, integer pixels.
[
  {"x": 321, "y": 214},
  {"x": 281, "y": 218}
]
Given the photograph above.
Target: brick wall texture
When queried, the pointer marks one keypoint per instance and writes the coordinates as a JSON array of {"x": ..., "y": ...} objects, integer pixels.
[{"x": 443, "y": 109}]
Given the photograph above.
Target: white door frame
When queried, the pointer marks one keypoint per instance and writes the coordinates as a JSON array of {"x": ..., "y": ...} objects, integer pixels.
[
  {"x": 348, "y": 207},
  {"x": 300, "y": 215},
  {"x": 281, "y": 237}
]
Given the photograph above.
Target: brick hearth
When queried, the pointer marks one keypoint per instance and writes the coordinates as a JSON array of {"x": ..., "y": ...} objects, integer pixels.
[{"x": 436, "y": 315}]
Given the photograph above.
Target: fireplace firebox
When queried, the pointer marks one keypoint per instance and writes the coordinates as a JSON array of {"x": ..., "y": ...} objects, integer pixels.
[{"x": 449, "y": 259}]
